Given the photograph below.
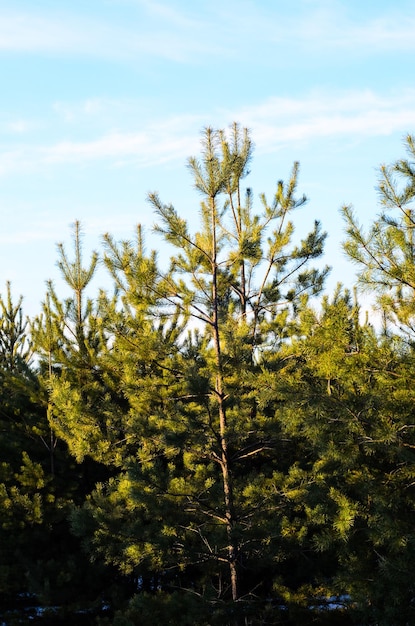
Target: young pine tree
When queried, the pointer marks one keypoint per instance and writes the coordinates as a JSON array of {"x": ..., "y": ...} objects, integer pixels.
[
  {"x": 345, "y": 397},
  {"x": 69, "y": 342},
  {"x": 385, "y": 256},
  {"x": 236, "y": 277},
  {"x": 195, "y": 496}
]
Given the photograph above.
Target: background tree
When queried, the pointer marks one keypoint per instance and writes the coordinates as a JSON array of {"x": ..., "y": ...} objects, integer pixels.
[
  {"x": 67, "y": 341},
  {"x": 385, "y": 256},
  {"x": 34, "y": 533},
  {"x": 346, "y": 398},
  {"x": 21, "y": 475},
  {"x": 385, "y": 260}
]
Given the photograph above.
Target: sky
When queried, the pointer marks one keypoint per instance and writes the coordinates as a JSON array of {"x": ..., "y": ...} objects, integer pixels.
[{"x": 103, "y": 101}]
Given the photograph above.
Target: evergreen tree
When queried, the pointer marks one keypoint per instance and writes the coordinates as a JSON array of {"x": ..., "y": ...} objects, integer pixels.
[
  {"x": 385, "y": 256},
  {"x": 385, "y": 260},
  {"x": 224, "y": 452},
  {"x": 238, "y": 271},
  {"x": 24, "y": 489},
  {"x": 345, "y": 397},
  {"x": 15, "y": 347},
  {"x": 195, "y": 494},
  {"x": 68, "y": 341}
]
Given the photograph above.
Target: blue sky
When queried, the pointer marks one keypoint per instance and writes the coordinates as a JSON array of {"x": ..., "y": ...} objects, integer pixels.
[{"x": 102, "y": 101}]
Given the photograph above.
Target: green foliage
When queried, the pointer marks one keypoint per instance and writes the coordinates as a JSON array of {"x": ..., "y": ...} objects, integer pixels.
[
  {"x": 15, "y": 347},
  {"x": 171, "y": 609},
  {"x": 39, "y": 481},
  {"x": 338, "y": 396},
  {"x": 201, "y": 468},
  {"x": 206, "y": 444},
  {"x": 386, "y": 254}
]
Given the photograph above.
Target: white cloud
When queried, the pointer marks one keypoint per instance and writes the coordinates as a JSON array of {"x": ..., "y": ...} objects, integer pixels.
[
  {"x": 163, "y": 142},
  {"x": 28, "y": 32},
  {"x": 162, "y": 11},
  {"x": 186, "y": 34},
  {"x": 78, "y": 35},
  {"x": 143, "y": 148},
  {"x": 279, "y": 121},
  {"x": 333, "y": 26},
  {"x": 18, "y": 126},
  {"x": 275, "y": 122},
  {"x": 386, "y": 33},
  {"x": 104, "y": 110}
]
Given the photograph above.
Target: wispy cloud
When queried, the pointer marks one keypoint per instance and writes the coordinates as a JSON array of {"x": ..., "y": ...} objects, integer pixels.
[
  {"x": 359, "y": 114},
  {"x": 159, "y": 142},
  {"x": 30, "y": 32},
  {"x": 18, "y": 126},
  {"x": 392, "y": 32},
  {"x": 177, "y": 32},
  {"x": 77, "y": 35},
  {"x": 360, "y": 29},
  {"x": 275, "y": 122},
  {"x": 103, "y": 110},
  {"x": 174, "y": 16}
]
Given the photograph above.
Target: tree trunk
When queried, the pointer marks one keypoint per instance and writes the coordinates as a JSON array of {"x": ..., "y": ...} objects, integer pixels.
[{"x": 226, "y": 473}]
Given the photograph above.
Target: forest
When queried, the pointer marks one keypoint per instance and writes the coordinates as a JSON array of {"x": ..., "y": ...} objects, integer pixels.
[{"x": 215, "y": 440}]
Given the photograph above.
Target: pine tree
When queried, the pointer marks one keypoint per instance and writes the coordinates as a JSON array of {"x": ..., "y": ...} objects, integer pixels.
[
  {"x": 15, "y": 347},
  {"x": 385, "y": 260},
  {"x": 345, "y": 397},
  {"x": 385, "y": 256},
  {"x": 67, "y": 338},
  {"x": 196, "y": 456},
  {"x": 68, "y": 342},
  {"x": 24, "y": 489}
]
